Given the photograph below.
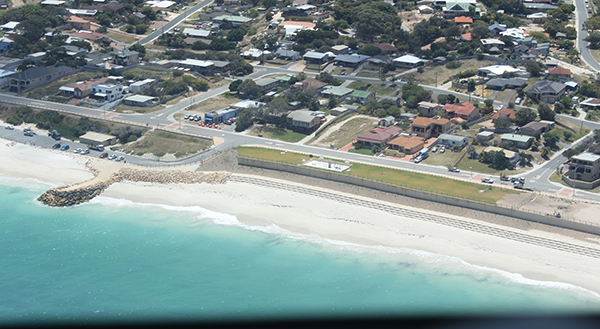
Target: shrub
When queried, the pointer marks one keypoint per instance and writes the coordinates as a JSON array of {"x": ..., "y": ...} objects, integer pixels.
[{"x": 453, "y": 65}]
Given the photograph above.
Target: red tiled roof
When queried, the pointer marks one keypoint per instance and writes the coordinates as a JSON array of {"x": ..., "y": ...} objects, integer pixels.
[
  {"x": 467, "y": 36},
  {"x": 423, "y": 121},
  {"x": 312, "y": 83},
  {"x": 559, "y": 71},
  {"x": 89, "y": 36},
  {"x": 464, "y": 108},
  {"x": 379, "y": 135},
  {"x": 407, "y": 142},
  {"x": 463, "y": 20},
  {"x": 507, "y": 113}
]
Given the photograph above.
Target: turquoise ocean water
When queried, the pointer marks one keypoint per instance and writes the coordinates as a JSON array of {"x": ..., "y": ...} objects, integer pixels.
[{"x": 113, "y": 260}]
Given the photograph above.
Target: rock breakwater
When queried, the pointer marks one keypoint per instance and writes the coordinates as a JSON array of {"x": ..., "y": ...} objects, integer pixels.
[{"x": 70, "y": 195}]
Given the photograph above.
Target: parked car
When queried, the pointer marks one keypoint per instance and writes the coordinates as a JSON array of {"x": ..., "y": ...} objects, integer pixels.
[
  {"x": 10, "y": 127},
  {"x": 86, "y": 151},
  {"x": 65, "y": 147},
  {"x": 121, "y": 158},
  {"x": 434, "y": 149},
  {"x": 104, "y": 155},
  {"x": 453, "y": 169},
  {"x": 112, "y": 157},
  {"x": 187, "y": 116},
  {"x": 518, "y": 100},
  {"x": 442, "y": 150},
  {"x": 56, "y": 146},
  {"x": 487, "y": 180},
  {"x": 418, "y": 159}
]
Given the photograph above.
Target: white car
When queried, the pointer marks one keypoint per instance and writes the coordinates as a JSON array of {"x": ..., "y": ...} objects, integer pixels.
[
  {"x": 487, "y": 180},
  {"x": 10, "y": 127},
  {"x": 418, "y": 159},
  {"x": 518, "y": 100}
]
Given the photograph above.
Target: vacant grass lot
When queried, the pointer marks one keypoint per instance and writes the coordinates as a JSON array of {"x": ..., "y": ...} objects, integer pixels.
[
  {"x": 428, "y": 77},
  {"x": 122, "y": 108},
  {"x": 346, "y": 133},
  {"x": 562, "y": 126},
  {"x": 274, "y": 132},
  {"x": 150, "y": 74},
  {"x": 379, "y": 88},
  {"x": 121, "y": 37},
  {"x": 160, "y": 143},
  {"x": 418, "y": 181},
  {"x": 51, "y": 89}
]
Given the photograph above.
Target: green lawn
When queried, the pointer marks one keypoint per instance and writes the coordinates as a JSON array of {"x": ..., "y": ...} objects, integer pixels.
[
  {"x": 577, "y": 131},
  {"x": 418, "y": 181},
  {"x": 273, "y": 132},
  {"x": 365, "y": 151},
  {"x": 121, "y": 37}
]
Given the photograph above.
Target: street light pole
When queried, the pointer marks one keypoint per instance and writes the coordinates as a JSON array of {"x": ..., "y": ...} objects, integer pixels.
[{"x": 471, "y": 172}]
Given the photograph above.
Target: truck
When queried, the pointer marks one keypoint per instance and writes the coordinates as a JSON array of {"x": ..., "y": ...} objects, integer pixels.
[
  {"x": 54, "y": 134},
  {"x": 99, "y": 147},
  {"x": 521, "y": 186},
  {"x": 503, "y": 177}
]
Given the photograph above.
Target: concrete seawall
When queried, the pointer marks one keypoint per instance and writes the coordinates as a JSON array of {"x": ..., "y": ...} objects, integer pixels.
[
  {"x": 443, "y": 199},
  {"x": 70, "y": 195}
]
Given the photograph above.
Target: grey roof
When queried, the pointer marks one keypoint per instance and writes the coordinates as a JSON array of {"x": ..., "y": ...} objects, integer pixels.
[
  {"x": 351, "y": 58},
  {"x": 544, "y": 86},
  {"x": 535, "y": 125},
  {"x": 303, "y": 115},
  {"x": 540, "y": 6},
  {"x": 265, "y": 81},
  {"x": 37, "y": 72},
  {"x": 220, "y": 63},
  {"x": 449, "y": 137},
  {"x": 503, "y": 82},
  {"x": 287, "y": 53},
  {"x": 586, "y": 156},
  {"x": 124, "y": 53},
  {"x": 139, "y": 98}
]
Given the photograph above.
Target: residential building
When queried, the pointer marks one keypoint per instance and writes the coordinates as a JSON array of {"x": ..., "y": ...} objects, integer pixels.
[
  {"x": 387, "y": 48},
  {"x": 464, "y": 110},
  {"x": 197, "y": 33},
  {"x": 111, "y": 7},
  {"x": 397, "y": 101},
  {"x": 311, "y": 84},
  {"x": 503, "y": 83},
  {"x": 519, "y": 141},
  {"x": 35, "y": 77},
  {"x": 512, "y": 157},
  {"x": 4, "y": 76},
  {"x": 220, "y": 66},
  {"x": 106, "y": 92},
  {"x": 387, "y": 121},
  {"x": 539, "y": 7},
  {"x": 560, "y": 73},
  {"x": 485, "y": 136},
  {"x": 453, "y": 140},
  {"x": 538, "y": 18},
  {"x": 252, "y": 53},
  {"x": 92, "y": 36},
  {"x": 337, "y": 91},
  {"x": 267, "y": 84},
  {"x": 547, "y": 91},
  {"x": 303, "y": 10},
  {"x": 315, "y": 58},
  {"x": 202, "y": 67},
  {"x": 407, "y": 144},
  {"x": 79, "y": 23},
  {"x": 425, "y": 9},
  {"x": 536, "y": 128},
  {"x": 428, "y": 127},
  {"x": 361, "y": 96},
  {"x": 590, "y": 104},
  {"x": 377, "y": 62},
  {"x": 459, "y": 9},
  {"x": 463, "y": 20},
  {"x": 228, "y": 21},
  {"x": 495, "y": 70},
  {"x": 304, "y": 121},
  {"x": 409, "y": 61},
  {"x": 427, "y": 109},
  {"x": 139, "y": 85},
  {"x": 80, "y": 89},
  {"x": 141, "y": 100},
  {"x": 5, "y": 44},
  {"x": 505, "y": 113},
  {"x": 517, "y": 34},
  {"x": 497, "y": 28},
  {"x": 9, "y": 26},
  {"x": 287, "y": 55},
  {"x": 487, "y": 44},
  {"x": 83, "y": 12},
  {"x": 340, "y": 49},
  {"x": 378, "y": 136},
  {"x": 350, "y": 60},
  {"x": 584, "y": 167},
  {"x": 125, "y": 57}
]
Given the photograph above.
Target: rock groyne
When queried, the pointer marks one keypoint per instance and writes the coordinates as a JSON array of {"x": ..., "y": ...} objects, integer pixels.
[{"x": 70, "y": 195}]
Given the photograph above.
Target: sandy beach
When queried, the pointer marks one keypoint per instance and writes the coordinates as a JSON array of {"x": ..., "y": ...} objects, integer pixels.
[{"x": 337, "y": 217}]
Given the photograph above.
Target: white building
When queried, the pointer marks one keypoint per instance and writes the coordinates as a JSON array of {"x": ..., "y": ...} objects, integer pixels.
[
  {"x": 106, "y": 91},
  {"x": 517, "y": 34},
  {"x": 496, "y": 70},
  {"x": 137, "y": 86},
  {"x": 409, "y": 61}
]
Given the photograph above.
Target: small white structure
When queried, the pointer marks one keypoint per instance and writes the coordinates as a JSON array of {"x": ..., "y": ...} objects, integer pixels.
[
  {"x": 327, "y": 165},
  {"x": 409, "y": 61}
]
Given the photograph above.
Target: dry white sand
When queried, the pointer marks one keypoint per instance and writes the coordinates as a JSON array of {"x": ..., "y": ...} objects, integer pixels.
[{"x": 303, "y": 215}]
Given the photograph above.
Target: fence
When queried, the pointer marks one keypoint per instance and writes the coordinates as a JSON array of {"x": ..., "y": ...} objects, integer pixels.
[{"x": 480, "y": 205}]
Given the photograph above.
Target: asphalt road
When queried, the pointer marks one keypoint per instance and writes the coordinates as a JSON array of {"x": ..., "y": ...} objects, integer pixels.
[{"x": 582, "y": 45}]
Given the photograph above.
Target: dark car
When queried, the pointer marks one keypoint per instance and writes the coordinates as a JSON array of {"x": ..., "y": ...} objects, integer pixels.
[
  {"x": 104, "y": 155},
  {"x": 56, "y": 146}
]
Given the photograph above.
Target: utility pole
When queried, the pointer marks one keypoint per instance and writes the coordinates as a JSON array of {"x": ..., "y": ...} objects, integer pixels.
[{"x": 436, "y": 79}]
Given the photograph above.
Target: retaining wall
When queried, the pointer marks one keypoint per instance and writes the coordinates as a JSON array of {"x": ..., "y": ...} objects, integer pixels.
[{"x": 525, "y": 215}]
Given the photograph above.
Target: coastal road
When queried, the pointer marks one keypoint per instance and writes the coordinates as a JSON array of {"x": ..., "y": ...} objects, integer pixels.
[{"x": 581, "y": 15}]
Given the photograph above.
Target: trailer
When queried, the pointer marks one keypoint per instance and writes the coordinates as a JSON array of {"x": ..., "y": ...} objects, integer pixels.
[{"x": 220, "y": 116}]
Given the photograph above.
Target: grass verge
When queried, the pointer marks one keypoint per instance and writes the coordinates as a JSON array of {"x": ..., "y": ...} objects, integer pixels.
[{"x": 160, "y": 143}]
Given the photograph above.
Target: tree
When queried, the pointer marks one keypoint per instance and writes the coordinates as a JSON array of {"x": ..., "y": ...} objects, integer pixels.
[
  {"x": 545, "y": 152},
  {"x": 249, "y": 88},
  {"x": 573, "y": 55},
  {"x": 568, "y": 135},
  {"x": 452, "y": 32},
  {"x": 370, "y": 50},
  {"x": 550, "y": 140},
  {"x": 244, "y": 120},
  {"x": 545, "y": 112},
  {"x": 480, "y": 30},
  {"x": 149, "y": 12},
  {"x": 139, "y": 48},
  {"x": 534, "y": 68},
  {"x": 502, "y": 123},
  {"x": 237, "y": 34},
  {"x": 524, "y": 116}
]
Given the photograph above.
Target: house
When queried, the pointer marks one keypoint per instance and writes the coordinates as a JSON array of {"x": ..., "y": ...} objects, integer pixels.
[
  {"x": 539, "y": 7},
  {"x": 80, "y": 89},
  {"x": 231, "y": 3},
  {"x": 387, "y": 48},
  {"x": 340, "y": 49},
  {"x": 125, "y": 57},
  {"x": 497, "y": 28},
  {"x": 463, "y": 20},
  {"x": 94, "y": 138},
  {"x": 503, "y": 83},
  {"x": 139, "y": 85},
  {"x": 464, "y": 110},
  {"x": 536, "y": 128},
  {"x": 228, "y": 21},
  {"x": 93, "y": 36},
  {"x": 517, "y": 34},
  {"x": 9, "y": 26},
  {"x": 315, "y": 58},
  {"x": 409, "y": 61},
  {"x": 495, "y": 70},
  {"x": 195, "y": 65},
  {"x": 397, "y": 101},
  {"x": 538, "y": 18},
  {"x": 519, "y": 141},
  {"x": 428, "y": 127},
  {"x": 361, "y": 96},
  {"x": 560, "y": 73},
  {"x": 547, "y": 91},
  {"x": 35, "y": 77},
  {"x": 377, "y": 62},
  {"x": 73, "y": 51},
  {"x": 302, "y": 10},
  {"x": 585, "y": 167},
  {"x": 221, "y": 66},
  {"x": 161, "y": 5},
  {"x": 252, "y": 53},
  {"x": 267, "y": 84},
  {"x": 337, "y": 91},
  {"x": 4, "y": 76},
  {"x": 350, "y": 60},
  {"x": 487, "y": 44},
  {"x": 79, "y": 23},
  {"x": 571, "y": 85},
  {"x": 378, "y": 136},
  {"x": 304, "y": 121},
  {"x": 197, "y": 33},
  {"x": 427, "y": 109},
  {"x": 590, "y": 104},
  {"x": 425, "y": 9},
  {"x": 407, "y": 144},
  {"x": 505, "y": 113},
  {"x": 466, "y": 37},
  {"x": 138, "y": 17},
  {"x": 5, "y": 44},
  {"x": 141, "y": 100},
  {"x": 311, "y": 84},
  {"x": 512, "y": 157},
  {"x": 387, "y": 121},
  {"x": 453, "y": 140},
  {"x": 287, "y": 55},
  {"x": 106, "y": 92},
  {"x": 83, "y": 12},
  {"x": 111, "y": 7},
  {"x": 485, "y": 136},
  {"x": 459, "y": 9}
]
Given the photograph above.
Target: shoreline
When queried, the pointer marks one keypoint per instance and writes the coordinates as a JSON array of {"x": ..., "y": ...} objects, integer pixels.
[{"x": 265, "y": 208}]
